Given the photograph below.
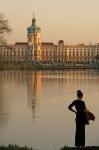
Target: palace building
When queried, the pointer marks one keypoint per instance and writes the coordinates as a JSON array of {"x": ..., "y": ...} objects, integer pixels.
[
  {"x": 35, "y": 51},
  {"x": 34, "y": 40}
]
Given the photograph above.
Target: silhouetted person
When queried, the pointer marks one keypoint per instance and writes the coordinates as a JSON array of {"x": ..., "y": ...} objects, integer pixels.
[{"x": 80, "y": 119}]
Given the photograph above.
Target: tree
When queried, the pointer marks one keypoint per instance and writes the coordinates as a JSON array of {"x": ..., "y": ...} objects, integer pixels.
[{"x": 4, "y": 29}]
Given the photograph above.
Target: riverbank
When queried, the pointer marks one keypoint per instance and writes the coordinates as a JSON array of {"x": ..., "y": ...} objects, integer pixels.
[
  {"x": 85, "y": 148},
  {"x": 30, "y": 66},
  {"x": 16, "y": 147}
]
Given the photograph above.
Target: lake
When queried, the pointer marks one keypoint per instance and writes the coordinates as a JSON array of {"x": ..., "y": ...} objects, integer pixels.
[{"x": 34, "y": 107}]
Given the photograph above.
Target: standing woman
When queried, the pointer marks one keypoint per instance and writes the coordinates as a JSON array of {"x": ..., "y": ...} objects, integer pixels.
[{"x": 80, "y": 119}]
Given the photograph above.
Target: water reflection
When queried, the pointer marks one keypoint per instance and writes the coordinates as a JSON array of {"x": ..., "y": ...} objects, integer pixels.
[
  {"x": 32, "y": 104},
  {"x": 4, "y": 112},
  {"x": 10, "y": 81},
  {"x": 33, "y": 87}
]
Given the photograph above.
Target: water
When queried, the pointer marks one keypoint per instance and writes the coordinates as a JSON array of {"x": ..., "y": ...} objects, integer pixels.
[{"x": 33, "y": 107}]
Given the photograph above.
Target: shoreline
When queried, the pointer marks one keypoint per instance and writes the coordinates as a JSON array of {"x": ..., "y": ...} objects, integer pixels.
[
  {"x": 17, "y": 147},
  {"x": 28, "y": 66}
]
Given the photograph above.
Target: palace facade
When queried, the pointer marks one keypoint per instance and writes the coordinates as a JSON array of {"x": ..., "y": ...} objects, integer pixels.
[{"x": 35, "y": 51}]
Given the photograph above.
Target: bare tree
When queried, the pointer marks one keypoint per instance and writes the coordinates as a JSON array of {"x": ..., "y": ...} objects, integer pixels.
[{"x": 4, "y": 29}]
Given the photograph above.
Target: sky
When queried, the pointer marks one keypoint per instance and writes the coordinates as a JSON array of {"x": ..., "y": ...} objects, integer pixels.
[{"x": 74, "y": 21}]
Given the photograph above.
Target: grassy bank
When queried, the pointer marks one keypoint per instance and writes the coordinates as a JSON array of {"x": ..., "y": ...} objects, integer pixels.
[
  {"x": 86, "y": 148},
  {"x": 16, "y": 147}
]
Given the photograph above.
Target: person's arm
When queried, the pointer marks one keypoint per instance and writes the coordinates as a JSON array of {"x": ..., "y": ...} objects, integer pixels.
[
  {"x": 86, "y": 109},
  {"x": 71, "y": 109}
]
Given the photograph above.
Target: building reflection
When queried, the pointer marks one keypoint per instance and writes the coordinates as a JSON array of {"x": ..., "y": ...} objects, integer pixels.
[
  {"x": 30, "y": 87},
  {"x": 34, "y": 86},
  {"x": 68, "y": 77},
  {"x": 13, "y": 86},
  {"x": 4, "y": 107}
]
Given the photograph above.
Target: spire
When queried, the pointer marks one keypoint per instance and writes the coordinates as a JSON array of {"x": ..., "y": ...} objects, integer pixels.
[
  {"x": 33, "y": 20},
  {"x": 33, "y": 15}
]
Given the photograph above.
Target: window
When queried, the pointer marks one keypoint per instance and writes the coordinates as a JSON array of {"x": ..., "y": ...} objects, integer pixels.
[
  {"x": 43, "y": 53},
  {"x": 7, "y": 53},
  {"x": 38, "y": 40},
  {"x": 35, "y": 53},
  {"x": 18, "y": 53},
  {"x": 46, "y": 53},
  {"x": 22, "y": 53},
  {"x": 30, "y": 39},
  {"x": 69, "y": 53}
]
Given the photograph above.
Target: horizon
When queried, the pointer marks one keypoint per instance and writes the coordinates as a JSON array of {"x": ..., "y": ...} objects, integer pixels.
[{"x": 73, "y": 21}]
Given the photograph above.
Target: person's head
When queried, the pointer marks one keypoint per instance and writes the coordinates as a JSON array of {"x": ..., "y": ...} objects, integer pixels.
[{"x": 79, "y": 94}]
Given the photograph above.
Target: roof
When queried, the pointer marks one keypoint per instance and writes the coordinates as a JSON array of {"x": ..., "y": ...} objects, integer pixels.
[
  {"x": 47, "y": 43},
  {"x": 21, "y": 43},
  {"x": 61, "y": 41},
  {"x": 80, "y": 46}
]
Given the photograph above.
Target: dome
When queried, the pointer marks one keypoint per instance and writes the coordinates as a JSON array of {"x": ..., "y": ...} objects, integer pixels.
[
  {"x": 33, "y": 29},
  {"x": 61, "y": 42}
]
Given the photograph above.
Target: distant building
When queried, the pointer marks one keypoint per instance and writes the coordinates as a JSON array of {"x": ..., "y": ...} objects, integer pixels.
[
  {"x": 22, "y": 52},
  {"x": 61, "y": 52},
  {"x": 80, "y": 53},
  {"x": 34, "y": 40},
  {"x": 6, "y": 53},
  {"x": 49, "y": 53},
  {"x": 35, "y": 51},
  {"x": 19, "y": 52}
]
